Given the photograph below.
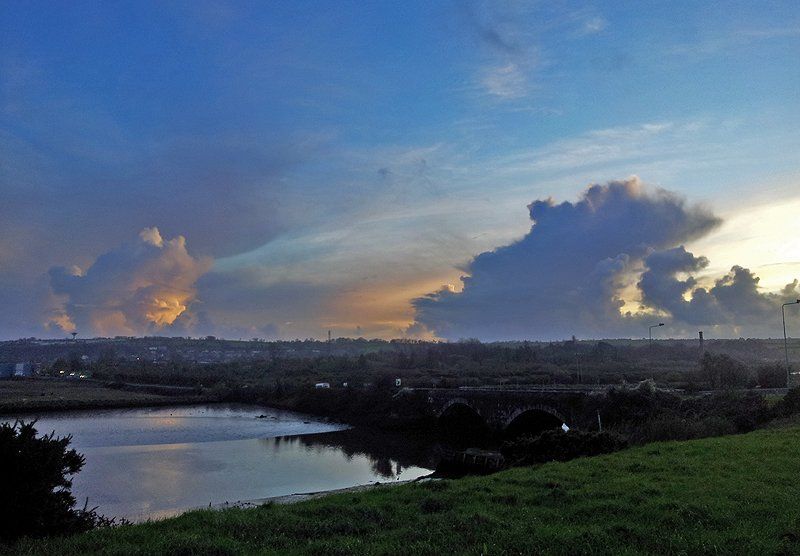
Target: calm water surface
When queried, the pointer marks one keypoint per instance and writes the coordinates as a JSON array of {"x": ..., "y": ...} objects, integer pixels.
[{"x": 156, "y": 462}]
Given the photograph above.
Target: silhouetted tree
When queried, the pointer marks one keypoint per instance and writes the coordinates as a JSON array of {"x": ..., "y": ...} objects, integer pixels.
[{"x": 36, "y": 492}]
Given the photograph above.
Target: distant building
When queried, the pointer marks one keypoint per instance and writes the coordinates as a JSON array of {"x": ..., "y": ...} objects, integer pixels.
[{"x": 23, "y": 370}]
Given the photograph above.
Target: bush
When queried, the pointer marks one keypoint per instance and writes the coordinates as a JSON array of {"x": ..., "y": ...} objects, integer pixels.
[
  {"x": 723, "y": 371},
  {"x": 36, "y": 492},
  {"x": 556, "y": 445},
  {"x": 771, "y": 376},
  {"x": 647, "y": 415},
  {"x": 622, "y": 407},
  {"x": 790, "y": 404},
  {"x": 745, "y": 410}
]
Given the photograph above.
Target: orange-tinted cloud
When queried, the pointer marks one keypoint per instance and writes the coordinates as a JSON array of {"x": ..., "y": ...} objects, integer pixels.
[{"x": 137, "y": 288}]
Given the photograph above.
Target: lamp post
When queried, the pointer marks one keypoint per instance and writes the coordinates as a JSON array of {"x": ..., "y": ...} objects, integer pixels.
[
  {"x": 785, "y": 342},
  {"x": 650, "y": 331}
]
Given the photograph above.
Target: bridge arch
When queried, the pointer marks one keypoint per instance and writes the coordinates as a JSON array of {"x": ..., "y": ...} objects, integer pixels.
[
  {"x": 460, "y": 421},
  {"x": 456, "y": 401},
  {"x": 532, "y": 419}
]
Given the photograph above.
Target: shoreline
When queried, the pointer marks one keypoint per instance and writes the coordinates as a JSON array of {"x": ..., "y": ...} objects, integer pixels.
[
  {"x": 284, "y": 499},
  {"x": 303, "y": 496},
  {"x": 9, "y": 411}
]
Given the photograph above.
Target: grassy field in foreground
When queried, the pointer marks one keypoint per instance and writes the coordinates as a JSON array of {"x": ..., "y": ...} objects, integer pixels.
[{"x": 727, "y": 495}]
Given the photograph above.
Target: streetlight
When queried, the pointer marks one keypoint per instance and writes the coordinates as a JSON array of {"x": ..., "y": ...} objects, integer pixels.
[
  {"x": 785, "y": 343},
  {"x": 650, "y": 331}
]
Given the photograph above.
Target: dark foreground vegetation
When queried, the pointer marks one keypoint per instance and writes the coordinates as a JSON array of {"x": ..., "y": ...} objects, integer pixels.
[
  {"x": 35, "y": 481},
  {"x": 728, "y": 495}
]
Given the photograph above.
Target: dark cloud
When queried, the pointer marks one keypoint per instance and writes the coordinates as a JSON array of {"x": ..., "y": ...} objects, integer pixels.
[
  {"x": 662, "y": 290},
  {"x": 734, "y": 304},
  {"x": 566, "y": 275}
]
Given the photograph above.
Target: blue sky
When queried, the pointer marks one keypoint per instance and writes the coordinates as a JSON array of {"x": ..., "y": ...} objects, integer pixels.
[{"x": 329, "y": 163}]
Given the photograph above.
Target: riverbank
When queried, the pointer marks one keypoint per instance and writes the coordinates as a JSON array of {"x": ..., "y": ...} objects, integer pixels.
[
  {"x": 306, "y": 496},
  {"x": 367, "y": 408},
  {"x": 732, "y": 494},
  {"x": 40, "y": 395}
]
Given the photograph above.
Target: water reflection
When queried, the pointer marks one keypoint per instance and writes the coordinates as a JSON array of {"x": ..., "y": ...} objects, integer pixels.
[
  {"x": 150, "y": 463},
  {"x": 388, "y": 454}
]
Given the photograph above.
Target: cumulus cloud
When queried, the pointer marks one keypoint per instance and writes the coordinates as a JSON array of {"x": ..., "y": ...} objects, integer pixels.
[
  {"x": 138, "y": 288},
  {"x": 733, "y": 304},
  {"x": 570, "y": 273}
]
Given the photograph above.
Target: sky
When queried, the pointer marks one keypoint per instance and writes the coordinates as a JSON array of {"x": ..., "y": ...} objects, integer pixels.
[{"x": 492, "y": 170}]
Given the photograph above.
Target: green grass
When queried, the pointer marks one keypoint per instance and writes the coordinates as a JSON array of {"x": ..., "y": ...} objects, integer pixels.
[{"x": 727, "y": 495}]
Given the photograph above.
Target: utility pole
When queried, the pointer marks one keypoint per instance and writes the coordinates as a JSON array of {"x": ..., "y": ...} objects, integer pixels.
[
  {"x": 785, "y": 341},
  {"x": 650, "y": 331}
]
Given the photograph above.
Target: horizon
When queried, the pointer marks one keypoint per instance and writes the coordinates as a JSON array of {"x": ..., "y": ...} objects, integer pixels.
[
  {"x": 400, "y": 339},
  {"x": 490, "y": 170}
]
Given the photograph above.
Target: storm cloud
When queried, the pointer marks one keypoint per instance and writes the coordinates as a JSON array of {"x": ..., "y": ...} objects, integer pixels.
[
  {"x": 139, "y": 287},
  {"x": 569, "y": 274}
]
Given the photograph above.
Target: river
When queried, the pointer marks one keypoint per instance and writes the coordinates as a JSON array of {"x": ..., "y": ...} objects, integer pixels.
[{"x": 150, "y": 463}]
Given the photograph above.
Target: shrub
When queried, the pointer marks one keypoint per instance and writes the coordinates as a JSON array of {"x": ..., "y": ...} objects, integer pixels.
[
  {"x": 556, "y": 445},
  {"x": 790, "y": 404},
  {"x": 623, "y": 406},
  {"x": 723, "y": 371},
  {"x": 771, "y": 376},
  {"x": 36, "y": 492},
  {"x": 745, "y": 410}
]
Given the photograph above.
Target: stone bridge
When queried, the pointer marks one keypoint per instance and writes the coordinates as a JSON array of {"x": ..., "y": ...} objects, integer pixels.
[{"x": 502, "y": 410}]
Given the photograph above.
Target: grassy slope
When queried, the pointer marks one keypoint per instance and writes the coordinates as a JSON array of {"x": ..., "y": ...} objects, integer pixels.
[{"x": 735, "y": 494}]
